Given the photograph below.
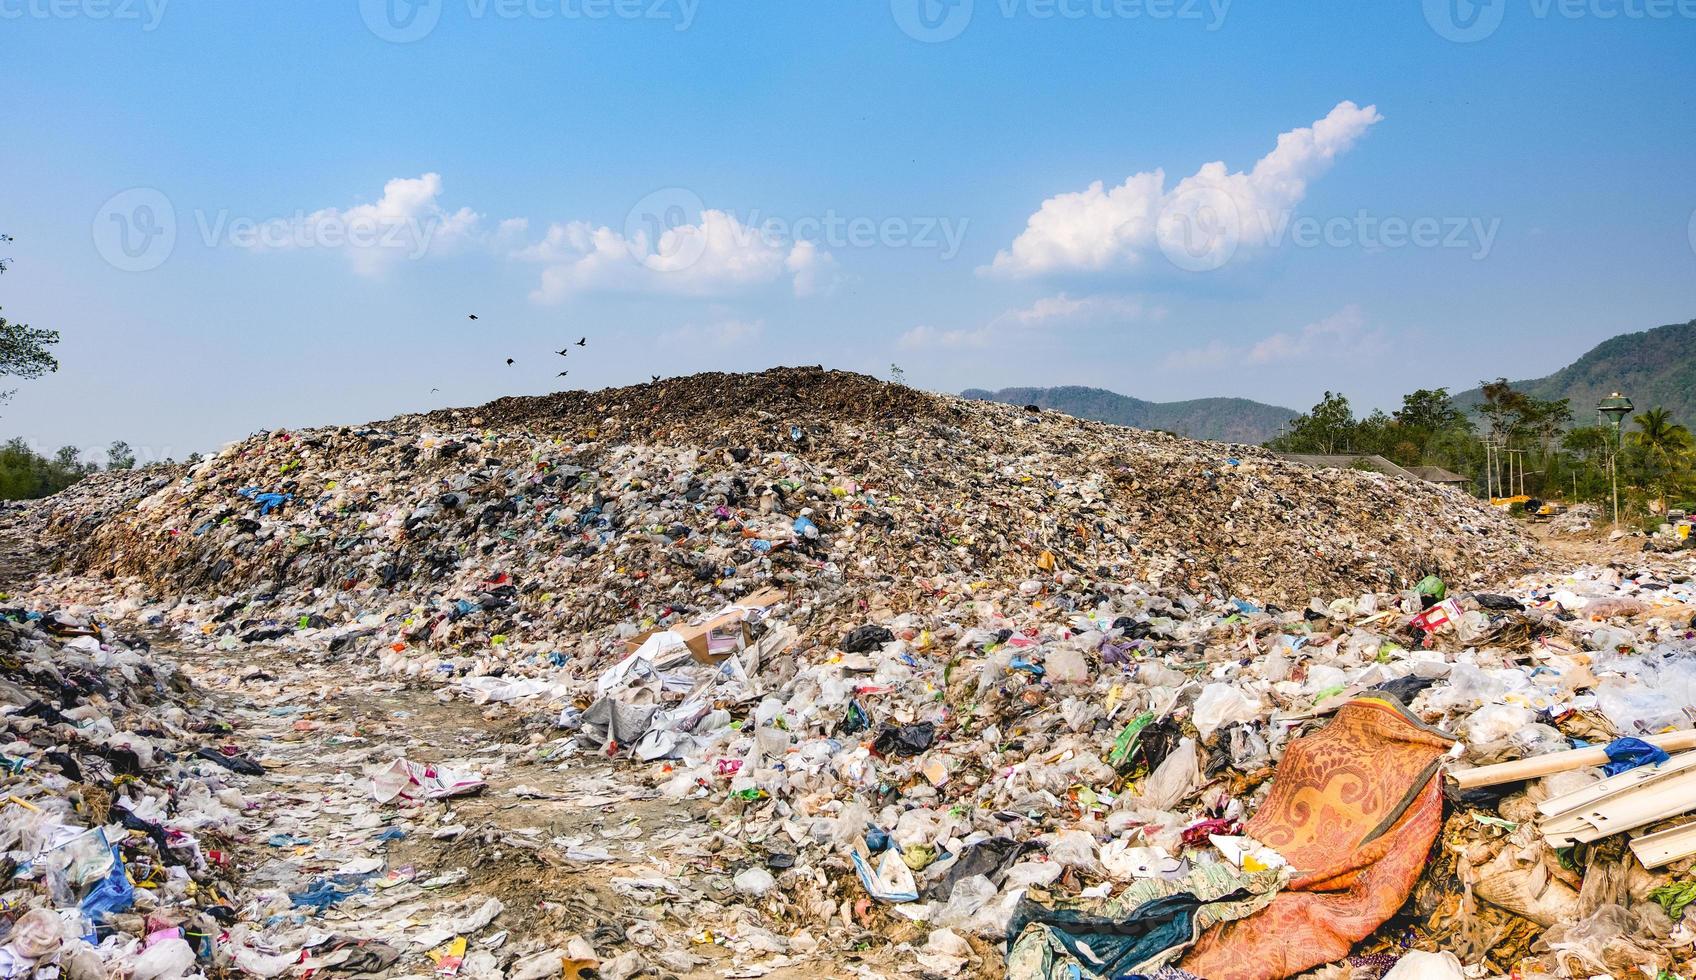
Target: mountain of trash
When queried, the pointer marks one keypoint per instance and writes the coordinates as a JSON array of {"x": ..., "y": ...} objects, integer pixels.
[
  {"x": 801, "y": 674},
  {"x": 661, "y": 498}
]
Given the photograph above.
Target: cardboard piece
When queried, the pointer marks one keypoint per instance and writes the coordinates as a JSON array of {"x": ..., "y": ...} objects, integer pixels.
[{"x": 714, "y": 636}]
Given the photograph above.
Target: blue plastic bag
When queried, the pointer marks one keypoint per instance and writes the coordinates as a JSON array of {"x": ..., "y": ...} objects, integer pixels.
[{"x": 1629, "y": 753}]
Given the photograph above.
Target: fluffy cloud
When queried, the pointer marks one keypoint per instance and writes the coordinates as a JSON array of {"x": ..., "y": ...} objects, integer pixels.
[
  {"x": 407, "y": 222},
  {"x": 1343, "y": 335},
  {"x": 1019, "y": 323},
  {"x": 815, "y": 271},
  {"x": 717, "y": 256},
  {"x": 930, "y": 338},
  {"x": 1062, "y": 307},
  {"x": 1198, "y": 223}
]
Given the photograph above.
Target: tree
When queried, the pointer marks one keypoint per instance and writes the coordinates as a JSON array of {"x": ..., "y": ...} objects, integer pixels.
[
  {"x": 896, "y": 375},
  {"x": 23, "y": 349},
  {"x": 1327, "y": 428},
  {"x": 1430, "y": 410},
  {"x": 1663, "y": 446},
  {"x": 119, "y": 456},
  {"x": 25, "y": 474}
]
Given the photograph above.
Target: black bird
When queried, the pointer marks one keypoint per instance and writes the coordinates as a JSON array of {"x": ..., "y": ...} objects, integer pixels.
[
  {"x": 473, "y": 316},
  {"x": 509, "y": 362},
  {"x": 655, "y": 377},
  {"x": 564, "y": 353},
  {"x": 434, "y": 390},
  {"x": 584, "y": 342},
  {"x": 564, "y": 373}
]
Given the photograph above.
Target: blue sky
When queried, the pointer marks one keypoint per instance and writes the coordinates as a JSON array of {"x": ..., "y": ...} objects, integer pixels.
[{"x": 313, "y": 196}]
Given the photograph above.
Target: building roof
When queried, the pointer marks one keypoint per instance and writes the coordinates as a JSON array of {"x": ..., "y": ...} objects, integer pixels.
[
  {"x": 1436, "y": 474},
  {"x": 1346, "y": 461}
]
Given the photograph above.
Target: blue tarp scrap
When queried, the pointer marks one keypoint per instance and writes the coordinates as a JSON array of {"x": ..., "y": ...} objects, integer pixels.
[
  {"x": 112, "y": 895},
  {"x": 329, "y": 890},
  {"x": 267, "y": 501},
  {"x": 1629, "y": 753}
]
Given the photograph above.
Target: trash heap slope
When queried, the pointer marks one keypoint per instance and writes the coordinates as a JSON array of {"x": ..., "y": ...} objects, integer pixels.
[{"x": 585, "y": 508}]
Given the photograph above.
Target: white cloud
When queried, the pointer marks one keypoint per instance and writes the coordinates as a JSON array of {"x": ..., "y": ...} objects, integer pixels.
[
  {"x": 717, "y": 256},
  {"x": 1100, "y": 229},
  {"x": 723, "y": 333},
  {"x": 925, "y": 338},
  {"x": 815, "y": 271},
  {"x": 1062, "y": 307},
  {"x": 407, "y": 222},
  {"x": 1343, "y": 335},
  {"x": 1020, "y": 323}
]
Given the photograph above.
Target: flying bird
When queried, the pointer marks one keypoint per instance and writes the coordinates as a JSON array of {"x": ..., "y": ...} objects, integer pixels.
[
  {"x": 564, "y": 353},
  {"x": 584, "y": 342},
  {"x": 473, "y": 316},
  {"x": 434, "y": 390},
  {"x": 509, "y": 362},
  {"x": 655, "y": 377},
  {"x": 564, "y": 373}
]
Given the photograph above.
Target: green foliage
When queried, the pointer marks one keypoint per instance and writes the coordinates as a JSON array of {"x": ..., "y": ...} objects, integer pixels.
[
  {"x": 26, "y": 474},
  {"x": 23, "y": 349},
  {"x": 1428, "y": 429},
  {"x": 1661, "y": 453},
  {"x": 1328, "y": 428},
  {"x": 119, "y": 456},
  {"x": 1654, "y": 367}
]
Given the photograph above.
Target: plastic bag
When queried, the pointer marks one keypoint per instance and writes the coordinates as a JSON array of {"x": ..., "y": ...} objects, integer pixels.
[
  {"x": 1175, "y": 777},
  {"x": 1419, "y": 965},
  {"x": 1221, "y": 705},
  {"x": 1495, "y": 722},
  {"x": 164, "y": 960}
]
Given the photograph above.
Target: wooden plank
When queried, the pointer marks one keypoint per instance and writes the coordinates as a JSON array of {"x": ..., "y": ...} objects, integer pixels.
[{"x": 1546, "y": 765}]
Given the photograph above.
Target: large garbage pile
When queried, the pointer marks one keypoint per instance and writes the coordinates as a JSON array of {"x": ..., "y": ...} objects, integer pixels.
[
  {"x": 122, "y": 797},
  {"x": 719, "y": 482},
  {"x": 984, "y": 688}
]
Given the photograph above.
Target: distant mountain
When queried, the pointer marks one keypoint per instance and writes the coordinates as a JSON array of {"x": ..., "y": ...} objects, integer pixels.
[
  {"x": 1653, "y": 368},
  {"x": 1219, "y": 419}
]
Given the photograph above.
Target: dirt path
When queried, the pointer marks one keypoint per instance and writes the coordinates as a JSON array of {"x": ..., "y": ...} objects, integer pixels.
[
  {"x": 574, "y": 847},
  {"x": 570, "y": 846}
]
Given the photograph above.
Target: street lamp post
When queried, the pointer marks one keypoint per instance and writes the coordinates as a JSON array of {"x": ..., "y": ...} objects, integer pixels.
[{"x": 1615, "y": 408}]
